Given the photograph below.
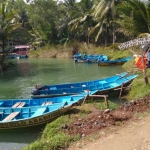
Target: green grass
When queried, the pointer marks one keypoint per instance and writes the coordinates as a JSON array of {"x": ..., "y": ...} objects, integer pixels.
[
  {"x": 139, "y": 90},
  {"x": 102, "y": 106},
  {"x": 53, "y": 138}
]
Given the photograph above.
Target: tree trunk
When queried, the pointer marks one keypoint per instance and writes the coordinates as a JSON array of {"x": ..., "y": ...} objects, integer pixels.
[{"x": 3, "y": 54}]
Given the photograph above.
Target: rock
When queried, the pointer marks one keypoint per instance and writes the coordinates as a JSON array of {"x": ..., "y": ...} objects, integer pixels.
[
  {"x": 106, "y": 110},
  {"x": 64, "y": 126}
]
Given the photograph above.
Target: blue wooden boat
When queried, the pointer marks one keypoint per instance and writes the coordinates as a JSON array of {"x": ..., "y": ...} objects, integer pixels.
[
  {"x": 114, "y": 62},
  {"x": 96, "y": 58},
  {"x": 111, "y": 87},
  {"x": 90, "y": 58},
  {"x": 71, "y": 88},
  {"x": 91, "y": 87},
  {"x": 78, "y": 55},
  {"x": 42, "y": 111},
  {"x": 13, "y": 55}
]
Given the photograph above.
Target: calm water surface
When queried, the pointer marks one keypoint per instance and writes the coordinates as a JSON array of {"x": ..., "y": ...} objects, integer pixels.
[{"x": 18, "y": 83}]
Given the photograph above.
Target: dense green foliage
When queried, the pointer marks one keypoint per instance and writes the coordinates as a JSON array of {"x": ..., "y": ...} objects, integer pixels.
[{"x": 101, "y": 22}]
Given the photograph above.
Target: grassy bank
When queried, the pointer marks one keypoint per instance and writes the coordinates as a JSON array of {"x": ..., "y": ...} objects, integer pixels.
[{"x": 53, "y": 138}]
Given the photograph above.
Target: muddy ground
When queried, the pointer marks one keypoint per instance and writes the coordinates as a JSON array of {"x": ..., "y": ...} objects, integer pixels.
[{"x": 97, "y": 120}]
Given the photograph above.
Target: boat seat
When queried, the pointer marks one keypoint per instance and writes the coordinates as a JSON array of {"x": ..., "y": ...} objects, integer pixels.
[
  {"x": 11, "y": 116},
  {"x": 102, "y": 82},
  {"x": 39, "y": 112},
  {"x": 83, "y": 85},
  {"x": 53, "y": 88},
  {"x": 16, "y": 105},
  {"x": 19, "y": 105},
  {"x": 47, "y": 103}
]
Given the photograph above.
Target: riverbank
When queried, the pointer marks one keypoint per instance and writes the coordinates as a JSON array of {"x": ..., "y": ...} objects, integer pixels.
[{"x": 61, "y": 51}]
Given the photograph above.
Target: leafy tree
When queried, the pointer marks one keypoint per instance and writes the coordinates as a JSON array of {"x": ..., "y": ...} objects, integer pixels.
[
  {"x": 84, "y": 21},
  {"x": 103, "y": 13},
  {"x": 43, "y": 16},
  {"x": 8, "y": 24},
  {"x": 22, "y": 36},
  {"x": 68, "y": 10},
  {"x": 134, "y": 18}
]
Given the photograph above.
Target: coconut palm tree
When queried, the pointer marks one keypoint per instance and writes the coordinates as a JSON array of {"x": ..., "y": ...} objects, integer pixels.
[
  {"x": 103, "y": 13},
  {"x": 8, "y": 24},
  {"x": 83, "y": 21}
]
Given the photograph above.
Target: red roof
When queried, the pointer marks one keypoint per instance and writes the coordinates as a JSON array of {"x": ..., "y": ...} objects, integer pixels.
[{"x": 22, "y": 46}]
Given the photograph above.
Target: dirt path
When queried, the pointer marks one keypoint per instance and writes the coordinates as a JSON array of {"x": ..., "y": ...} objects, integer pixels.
[{"x": 134, "y": 136}]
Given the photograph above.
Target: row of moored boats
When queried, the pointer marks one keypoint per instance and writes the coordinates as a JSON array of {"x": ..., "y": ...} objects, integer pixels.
[{"x": 102, "y": 59}]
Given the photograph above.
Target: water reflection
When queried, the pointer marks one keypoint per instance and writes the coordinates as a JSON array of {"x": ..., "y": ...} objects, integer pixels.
[
  {"x": 10, "y": 141},
  {"x": 12, "y": 137}
]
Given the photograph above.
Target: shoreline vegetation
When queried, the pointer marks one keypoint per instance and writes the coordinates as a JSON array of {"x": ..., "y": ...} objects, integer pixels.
[
  {"x": 67, "y": 51},
  {"x": 62, "y": 133}
]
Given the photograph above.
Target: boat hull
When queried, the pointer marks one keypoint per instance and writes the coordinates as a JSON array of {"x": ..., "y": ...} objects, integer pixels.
[
  {"x": 114, "y": 62},
  {"x": 33, "y": 122},
  {"x": 110, "y": 63}
]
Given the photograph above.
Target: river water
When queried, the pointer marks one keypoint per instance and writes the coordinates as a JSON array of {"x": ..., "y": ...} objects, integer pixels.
[{"x": 18, "y": 83}]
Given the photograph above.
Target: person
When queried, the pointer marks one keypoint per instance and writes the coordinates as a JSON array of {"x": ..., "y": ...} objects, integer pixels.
[{"x": 148, "y": 58}]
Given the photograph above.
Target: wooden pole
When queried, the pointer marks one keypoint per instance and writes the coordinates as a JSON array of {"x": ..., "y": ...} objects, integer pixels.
[{"x": 121, "y": 91}]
